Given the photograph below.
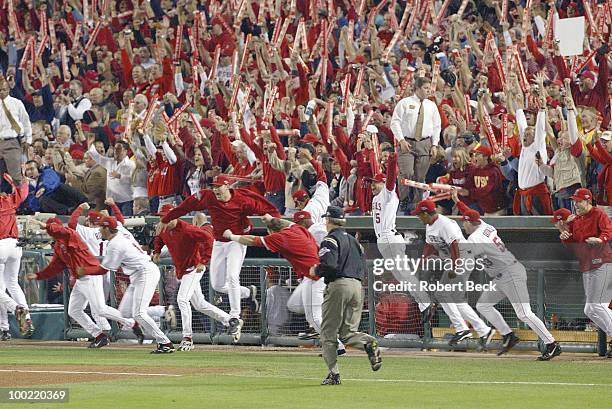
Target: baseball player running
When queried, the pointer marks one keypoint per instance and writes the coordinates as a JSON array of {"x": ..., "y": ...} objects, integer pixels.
[
  {"x": 228, "y": 209},
  {"x": 391, "y": 243},
  {"x": 10, "y": 258},
  {"x": 143, "y": 274},
  {"x": 295, "y": 243},
  {"x": 588, "y": 233},
  {"x": 70, "y": 252},
  {"x": 443, "y": 236},
  {"x": 510, "y": 279},
  {"x": 318, "y": 203},
  {"x": 184, "y": 242}
]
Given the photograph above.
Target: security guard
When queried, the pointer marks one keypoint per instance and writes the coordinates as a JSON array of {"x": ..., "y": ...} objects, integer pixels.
[{"x": 342, "y": 264}]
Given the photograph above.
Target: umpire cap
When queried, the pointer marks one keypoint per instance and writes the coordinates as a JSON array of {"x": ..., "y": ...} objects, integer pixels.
[{"x": 334, "y": 212}]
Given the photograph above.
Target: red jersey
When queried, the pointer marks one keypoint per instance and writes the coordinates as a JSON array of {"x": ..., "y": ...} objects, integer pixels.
[
  {"x": 69, "y": 252},
  {"x": 274, "y": 180},
  {"x": 593, "y": 224},
  {"x": 8, "y": 205},
  {"x": 184, "y": 244},
  {"x": 297, "y": 245},
  {"x": 168, "y": 180},
  {"x": 232, "y": 214},
  {"x": 487, "y": 188}
]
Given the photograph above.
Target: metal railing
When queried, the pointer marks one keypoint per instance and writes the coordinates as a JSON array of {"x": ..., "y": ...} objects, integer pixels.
[{"x": 275, "y": 325}]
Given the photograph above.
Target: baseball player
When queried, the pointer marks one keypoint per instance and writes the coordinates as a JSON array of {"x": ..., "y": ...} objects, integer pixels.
[
  {"x": 144, "y": 276},
  {"x": 391, "y": 243},
  {"x": 318, "y": 230},
  {"x": 318, "y": 203},
  {"x": 443, "y": 236},
  {"x": 510, "y": 279},
  {"x": 588, "y": 233},
  {"x": 10, "y": 258},
  {"x": 70, "y": 252},
  {"x": 185, "y": 243},
  {"x": 295, "y": 243},
  {"x": 228, "y": 209}
]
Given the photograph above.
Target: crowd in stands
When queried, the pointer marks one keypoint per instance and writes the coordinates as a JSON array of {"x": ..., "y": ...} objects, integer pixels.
[{"x": 145, "y": 102}]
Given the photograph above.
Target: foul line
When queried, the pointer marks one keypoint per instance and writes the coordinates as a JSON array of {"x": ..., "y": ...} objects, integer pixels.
[
  {"x": 444, "y": 381},
  {"x": 89, "y": 372}
]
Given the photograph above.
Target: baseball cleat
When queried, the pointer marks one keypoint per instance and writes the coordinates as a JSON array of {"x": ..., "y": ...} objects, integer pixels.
[
  {"x": 509, "y": 341},
  {"x": 186, "y": 345},
  {"x": 235, "y": 328},
  {"x": 608, "y": 355},
  {"x": 170, "y": 316},
  {"x": 253, "y": 299},
  {"x": 310, "y": 334},
  {"x": 138, "y": 332},
  {"x": 6, "y": 335},
  {"x": 332, "y": 379},
  {"x": 374, "y": 356},
  {"x": 341, "y": 351},
  {"x": 552, "y": 350},
  {"x": 100, "y": 341},
  {"x": 460, "y": 336},
  {"x": 164, "y": 349},
  {"x": 486, "y": 340}
]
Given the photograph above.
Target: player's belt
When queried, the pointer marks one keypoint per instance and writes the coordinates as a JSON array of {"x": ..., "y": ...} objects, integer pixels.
[{"x": 389, "y": 233}]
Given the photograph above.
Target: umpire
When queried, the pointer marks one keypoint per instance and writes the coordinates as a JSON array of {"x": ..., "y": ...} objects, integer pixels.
[{"x": 342, "y": 264}]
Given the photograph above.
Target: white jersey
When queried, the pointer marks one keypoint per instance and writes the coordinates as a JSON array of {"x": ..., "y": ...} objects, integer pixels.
[
  {"x": 126, "y": 233},
  {"x": 319, "y": 232},
  {"x": 93, "y": 238},
  {"x": 318, "y": 203},
  {"x": 384, "y": 211},
  {"x": 122, "y": 252},
  {"x": 485, "y": 244},
  {"x": 442, "y": 233}
]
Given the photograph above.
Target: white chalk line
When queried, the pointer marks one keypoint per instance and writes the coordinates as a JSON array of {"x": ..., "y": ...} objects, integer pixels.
[
  {"x": 89, "y": 372},
  {"x": 434, "y": 381}
]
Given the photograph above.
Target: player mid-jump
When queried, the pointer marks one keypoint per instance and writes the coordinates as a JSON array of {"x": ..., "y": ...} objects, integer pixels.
[{"x": 228, "y": 209}]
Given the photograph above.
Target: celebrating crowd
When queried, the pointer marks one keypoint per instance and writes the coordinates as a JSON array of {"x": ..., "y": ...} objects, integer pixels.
[{"x": 146, "y": 102}]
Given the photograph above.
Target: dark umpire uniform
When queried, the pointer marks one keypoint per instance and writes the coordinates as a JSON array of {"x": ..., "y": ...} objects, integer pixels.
[{"x": 342, "y": 265}]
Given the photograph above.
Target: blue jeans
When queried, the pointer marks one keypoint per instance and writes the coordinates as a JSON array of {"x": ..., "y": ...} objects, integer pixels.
[
  {"x": 277, "y": 199},
  {"x": 127, "y": 208}
]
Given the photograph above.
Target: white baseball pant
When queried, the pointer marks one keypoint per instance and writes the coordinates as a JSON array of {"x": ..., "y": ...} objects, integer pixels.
[
  {"x": 4, "y": 323},
  {"x": 225, "y": 265},
  {"x": 137, "y": 297},
  {"x": 513, "y": 285},
  {"x": 88, "y": 289},
  {"x": 459, "y": 312},
  {"x": 598, "y": 290},
  {"x": 190, "y": 291},
  {"x": 307, "y": 299},
  {"x": 10, "y": 261},
  {"x": 392, "y": 245}
]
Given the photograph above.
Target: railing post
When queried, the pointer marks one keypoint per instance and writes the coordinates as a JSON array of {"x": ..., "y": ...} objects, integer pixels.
[
  {"x": 262, "y": 306},
  {"x": 371, "y": 303},
  {"x": 602, "y": 348},
  {"x": 66, "y": 296}
]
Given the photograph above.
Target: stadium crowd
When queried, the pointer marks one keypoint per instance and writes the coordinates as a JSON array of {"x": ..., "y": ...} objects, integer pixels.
[{"x": 146, "y": 102}]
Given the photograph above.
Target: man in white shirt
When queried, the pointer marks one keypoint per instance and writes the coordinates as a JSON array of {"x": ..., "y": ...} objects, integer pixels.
[
  {"x": 391, "y": 243},
  {"x": 73, "y": 105},
  {"x": 442, "y": 237},
  {"x": 510, "y": 279},
  {"x": 15, "y": 128},
  {"x": 532, "y": 197},
  {"x": 119, "y": 171},
  {"x": 416, "y": 126},
  {"x": 144, "y": 277}
]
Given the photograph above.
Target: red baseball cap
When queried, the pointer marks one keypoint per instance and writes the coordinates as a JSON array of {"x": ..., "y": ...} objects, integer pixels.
[
  {"x": 484, "y": 150},
  {"x": 165, "y": 210},
  {"x": 424, "y": 206},
  {"x": 588, "y": 74},
  {"x": 94, "y": 216},
  {"x": 498, "y": 109},
  {"x": 582, "y": 194},
  {"x": 300, "y": 195},
  {"x": 311, "y": 138},
  {"x": 379, "y": 177},
  {"x": 560, "y": 215},
  {"x": 301, "y": 215},
  {"x": 108, "y": 221},
  {"x": 471, "y": 216},
  {"x": 54, "y": 220},
  {"x": 221, "y": 180}
]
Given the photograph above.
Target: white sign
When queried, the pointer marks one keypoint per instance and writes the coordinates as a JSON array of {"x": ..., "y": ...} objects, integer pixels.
[{"x": 570, "y": 33}]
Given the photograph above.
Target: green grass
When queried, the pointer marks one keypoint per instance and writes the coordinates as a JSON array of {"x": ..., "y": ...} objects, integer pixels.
[{"x": 283, "y": 379}]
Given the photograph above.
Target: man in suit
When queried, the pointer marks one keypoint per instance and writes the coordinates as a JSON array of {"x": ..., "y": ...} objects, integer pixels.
[{"x": 92, "y": 182}]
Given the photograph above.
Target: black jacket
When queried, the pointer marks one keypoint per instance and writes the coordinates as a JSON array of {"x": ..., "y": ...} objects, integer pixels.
[{"x": 341, "y": 255}]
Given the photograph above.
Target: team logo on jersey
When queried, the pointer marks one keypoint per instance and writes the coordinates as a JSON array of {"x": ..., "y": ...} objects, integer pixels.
[{"x": 323, "y": 251}]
